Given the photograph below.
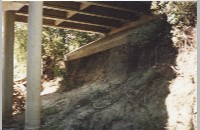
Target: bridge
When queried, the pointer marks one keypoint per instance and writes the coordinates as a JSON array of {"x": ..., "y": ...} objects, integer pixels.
[{"x": 114, "y": 19}]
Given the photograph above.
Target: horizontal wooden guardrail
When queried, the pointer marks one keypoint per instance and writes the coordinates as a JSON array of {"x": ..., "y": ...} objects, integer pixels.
[{"x": 109, "y": 41}]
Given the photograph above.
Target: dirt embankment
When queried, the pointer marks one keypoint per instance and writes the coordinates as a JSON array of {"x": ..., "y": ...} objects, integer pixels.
[{"x": 123, "y": 88}]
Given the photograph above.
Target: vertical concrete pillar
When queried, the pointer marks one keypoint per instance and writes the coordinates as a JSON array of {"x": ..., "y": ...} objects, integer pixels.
[
  {"x": 32, "y": 115},
  {"x": 7, "y": 68}
]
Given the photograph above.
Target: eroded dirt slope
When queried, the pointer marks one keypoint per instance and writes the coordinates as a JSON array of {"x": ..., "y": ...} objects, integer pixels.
[
  {"x": 123, "y": 88},
  {"x": 120, "y": 89}
]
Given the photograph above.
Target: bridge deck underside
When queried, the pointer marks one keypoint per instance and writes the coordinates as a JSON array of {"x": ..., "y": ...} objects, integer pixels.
[{"x": 100, "y": 17}]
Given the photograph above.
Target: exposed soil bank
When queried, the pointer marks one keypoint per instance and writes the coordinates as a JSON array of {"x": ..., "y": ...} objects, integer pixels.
[{"x": 123, "y": 88}]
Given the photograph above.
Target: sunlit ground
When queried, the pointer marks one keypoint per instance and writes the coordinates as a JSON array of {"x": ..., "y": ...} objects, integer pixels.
[
  {"x": 50, "y": 86},
  {"x": 181, "y": 103}
]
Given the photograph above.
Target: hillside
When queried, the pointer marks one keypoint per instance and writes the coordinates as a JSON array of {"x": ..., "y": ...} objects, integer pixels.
[{"x": 124, "y": 88}]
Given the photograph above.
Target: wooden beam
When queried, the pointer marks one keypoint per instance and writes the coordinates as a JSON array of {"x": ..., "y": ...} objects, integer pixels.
[
  {"x": 84, "y": 5},
  {"x": 61, "y": 6},
  {"x": 57, "y": 22},
  {"x": 24, "y": 19},
  {"x": 104, "y": 4},
  {"x": 67, "y": 25},
  {"x": 98, "y": 46},
  {"x": 72, "y": 13},
  {"x": 60, "y": 17},
  {"x": 138, "y": 7},
  {"x": 84, "y": 27},
  {"x": 75, "y": 7},
  {"x": 128, "y": 16},
  {"x": 141, "y": 21},
  {"x": 98, "y": 20},
  {"x": 103, "y": 44}
]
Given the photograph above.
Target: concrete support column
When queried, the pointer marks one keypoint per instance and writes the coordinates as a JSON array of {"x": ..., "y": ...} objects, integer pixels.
[
  {"x": 32, "y": 115},
  {"x": 7, "y": 68}
]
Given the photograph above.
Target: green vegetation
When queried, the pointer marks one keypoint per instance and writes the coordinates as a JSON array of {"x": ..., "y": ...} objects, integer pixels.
[
  {"x": 182, "y": 15},
  {"x": 178, "y": 13},
  {"x": 55, "y": 44},
  {"x": 21, "y": 38}
]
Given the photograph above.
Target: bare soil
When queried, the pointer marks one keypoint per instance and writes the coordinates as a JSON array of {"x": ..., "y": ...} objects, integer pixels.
[
  {"x": 120, "y": 89},
  {"x": 124, "y": 88}
]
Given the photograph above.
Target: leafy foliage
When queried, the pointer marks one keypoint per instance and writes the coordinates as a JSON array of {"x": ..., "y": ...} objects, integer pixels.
[
  {"x": 21, "y": 39},
  {"x": 55, "y": 44},
  {"x": 182, "y": 15},
  {"x": 75, "y": 39},
  {"x": 178, "y": 13},
  {"x": 20, "y": 45}
]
